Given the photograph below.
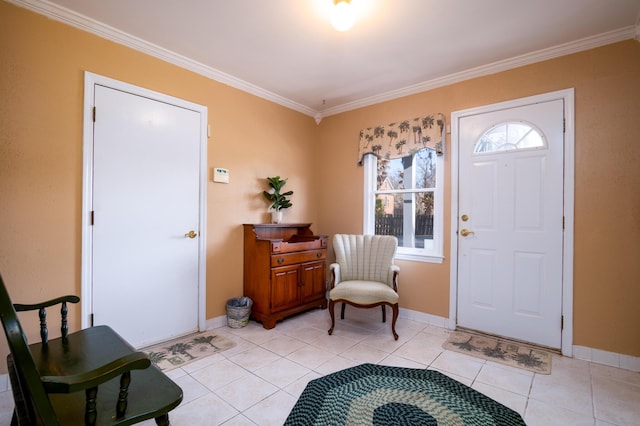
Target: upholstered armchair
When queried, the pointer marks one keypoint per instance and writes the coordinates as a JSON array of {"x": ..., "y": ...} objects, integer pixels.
[{"x": 364, "y": 275}]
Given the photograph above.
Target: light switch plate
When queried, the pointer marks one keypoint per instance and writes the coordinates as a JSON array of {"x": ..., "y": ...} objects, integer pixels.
[{"x": 220, "y": 175}]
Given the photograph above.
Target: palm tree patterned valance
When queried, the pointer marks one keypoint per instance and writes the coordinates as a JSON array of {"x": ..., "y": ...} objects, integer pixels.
[{"x": 396, "y": 140}]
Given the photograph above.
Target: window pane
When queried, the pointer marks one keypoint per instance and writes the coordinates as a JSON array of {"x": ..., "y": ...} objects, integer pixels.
[
  {"x": 390, "y": 174},
  {"x": 509, "y": 136},
  {"x": 415, "y": 171},
  {"x": 408, "y": 217},
  {"x": 425, "y": 169}
]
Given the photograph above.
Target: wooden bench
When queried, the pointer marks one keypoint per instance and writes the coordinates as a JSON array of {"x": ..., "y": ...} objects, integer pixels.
[{"x": 90, "y": 377}]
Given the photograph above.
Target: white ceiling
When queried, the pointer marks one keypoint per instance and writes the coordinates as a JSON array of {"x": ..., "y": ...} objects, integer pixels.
[{"x": 287, "y": 51}]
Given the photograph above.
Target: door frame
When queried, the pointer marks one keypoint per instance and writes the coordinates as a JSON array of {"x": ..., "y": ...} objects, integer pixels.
[
  {"x": 90, "y": 80},
  {"x": 567, "y": 95}
]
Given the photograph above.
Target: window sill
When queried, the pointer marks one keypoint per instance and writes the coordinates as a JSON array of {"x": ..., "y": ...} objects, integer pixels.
[{"x": 419, "y": 258}]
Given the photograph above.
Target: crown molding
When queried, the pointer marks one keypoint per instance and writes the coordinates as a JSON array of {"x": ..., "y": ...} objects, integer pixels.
[
  {"x": 517, "y": 61},
  {"x": 84, "y": 23}
]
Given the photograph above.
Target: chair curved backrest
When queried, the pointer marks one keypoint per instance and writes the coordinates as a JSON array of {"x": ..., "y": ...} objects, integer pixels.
[{"x": 365, "y": 257}]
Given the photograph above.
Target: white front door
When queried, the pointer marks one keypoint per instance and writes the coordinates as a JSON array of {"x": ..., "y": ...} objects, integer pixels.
[
  {"x": 510, "y": 222},
  {"x": 145, "y": 267}
]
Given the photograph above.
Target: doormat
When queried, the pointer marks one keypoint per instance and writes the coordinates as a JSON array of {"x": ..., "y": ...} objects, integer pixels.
[
  {"x": 501, "y": 351},
  {"x": 379, "y": 395},
  {"x": 179, "y": 352}
]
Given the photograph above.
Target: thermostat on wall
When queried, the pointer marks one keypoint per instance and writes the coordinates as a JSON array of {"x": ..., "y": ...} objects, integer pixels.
[{"x": 220, "y": 175}]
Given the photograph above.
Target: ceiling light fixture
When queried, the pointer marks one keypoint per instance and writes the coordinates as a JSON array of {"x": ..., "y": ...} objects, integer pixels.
[{"x": 342, "y": 15}]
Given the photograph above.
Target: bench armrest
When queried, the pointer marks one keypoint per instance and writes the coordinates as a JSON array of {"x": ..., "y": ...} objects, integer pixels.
[{"x": 90, "y": 379}]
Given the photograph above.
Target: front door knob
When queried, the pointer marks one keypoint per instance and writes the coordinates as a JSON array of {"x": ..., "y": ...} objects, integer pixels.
[{"x": 466, "y": 232}]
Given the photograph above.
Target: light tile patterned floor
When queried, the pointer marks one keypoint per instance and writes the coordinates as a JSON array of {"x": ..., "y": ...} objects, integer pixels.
[{"x": 259, "y": 380}]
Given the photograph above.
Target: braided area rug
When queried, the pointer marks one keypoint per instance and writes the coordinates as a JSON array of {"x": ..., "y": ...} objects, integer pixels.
[{"x": 372, "y": 394}]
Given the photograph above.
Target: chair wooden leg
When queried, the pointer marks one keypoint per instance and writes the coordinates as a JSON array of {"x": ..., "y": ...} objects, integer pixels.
[
  {"x": 384, "y": 313},
  {"x": 342, "y": 311},
  {"x": 393, "y": 321},
  {"x": 163, "y": 420},
  {"x": 333, "y": 319}
]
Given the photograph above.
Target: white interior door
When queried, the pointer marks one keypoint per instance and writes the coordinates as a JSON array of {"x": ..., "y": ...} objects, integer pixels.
[
  {"x": 146, "y": 198},
  {"x": 510, "y": 222}
]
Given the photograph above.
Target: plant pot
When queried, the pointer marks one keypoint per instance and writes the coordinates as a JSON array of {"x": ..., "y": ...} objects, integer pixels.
[{"x": 276, "y": 216}]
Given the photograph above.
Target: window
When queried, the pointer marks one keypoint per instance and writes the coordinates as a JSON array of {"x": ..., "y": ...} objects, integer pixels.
[
  {"x": 403, "y": 198},
  {"x": 509, "y": 136}
]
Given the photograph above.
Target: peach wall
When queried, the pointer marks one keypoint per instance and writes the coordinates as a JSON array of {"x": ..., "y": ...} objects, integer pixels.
[
  {"x": 607, "y": 191},
  {"x": 41, "y": 99},
  {"x": 41, "y": 83}
]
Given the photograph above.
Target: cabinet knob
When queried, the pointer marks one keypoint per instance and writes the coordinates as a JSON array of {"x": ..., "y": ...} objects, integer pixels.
[
  {"x": 318, "y": 255},
  {"x": 280, "y": 261}
]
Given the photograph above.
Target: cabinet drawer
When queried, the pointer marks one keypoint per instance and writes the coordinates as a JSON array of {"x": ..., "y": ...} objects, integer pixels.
[{"x": 299, "y": 257}]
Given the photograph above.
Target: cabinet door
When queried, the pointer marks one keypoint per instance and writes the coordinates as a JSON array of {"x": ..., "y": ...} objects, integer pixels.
[
  {"x": 284, "y": 287},
  {"x": 313, "y": 280}
]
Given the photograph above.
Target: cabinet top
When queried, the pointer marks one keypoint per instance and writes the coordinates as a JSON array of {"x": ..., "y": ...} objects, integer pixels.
[
  {"x": 282, "y": 237},
  {"x": 287, "y": 232}
]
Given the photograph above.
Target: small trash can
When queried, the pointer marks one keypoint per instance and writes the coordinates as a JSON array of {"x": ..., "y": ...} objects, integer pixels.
[{"x": 238, "y": 311}]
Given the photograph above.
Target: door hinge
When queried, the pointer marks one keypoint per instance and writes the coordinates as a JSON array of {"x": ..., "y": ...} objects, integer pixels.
[
  {"x": 94, "y": 114},
  {"x": 563, "y": 223},
  {"x": 91, "y": 218},
  {"x": 561, "y": 322},
  {"x": 91, "y": 320},
  {"x": 564, "y": 125}
]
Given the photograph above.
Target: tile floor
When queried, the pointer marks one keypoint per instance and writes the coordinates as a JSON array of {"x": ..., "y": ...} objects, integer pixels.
[{"x": 258, "y": 381}]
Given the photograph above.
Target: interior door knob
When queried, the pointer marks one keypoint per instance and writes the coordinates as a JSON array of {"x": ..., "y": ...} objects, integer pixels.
[
  {"x": 191, "y": 234},
  {"x": 466, "y": 232}
]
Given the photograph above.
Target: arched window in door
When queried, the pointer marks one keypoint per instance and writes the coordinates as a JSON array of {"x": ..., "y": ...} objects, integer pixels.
[{"x": 509, "y": 136}]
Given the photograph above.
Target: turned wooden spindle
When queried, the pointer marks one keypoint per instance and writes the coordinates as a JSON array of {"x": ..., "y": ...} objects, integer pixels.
[
  {"x": 44, "y": 333},
  {"x": 64, "y": 327},
  {"x": 90, "y": 413},
  {"x": 121, "y": 406}
]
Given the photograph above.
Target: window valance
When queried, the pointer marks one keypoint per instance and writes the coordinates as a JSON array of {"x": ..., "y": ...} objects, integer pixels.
[{"x": 396, "y": 140}]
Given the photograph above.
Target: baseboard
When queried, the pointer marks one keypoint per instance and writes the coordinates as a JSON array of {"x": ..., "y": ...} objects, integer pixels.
[
  {"x": 423, "y": 318},
  {"x": 221, "y": 321},
  {"x": 4, "y": 382},
  {"x": 216, "y": 322},
  {"x": 611, "y": 359},
  {"x": 597, "y": 356}
]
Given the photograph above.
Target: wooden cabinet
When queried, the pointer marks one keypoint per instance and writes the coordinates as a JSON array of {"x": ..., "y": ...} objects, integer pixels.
[{"x": 284, "y": 270}]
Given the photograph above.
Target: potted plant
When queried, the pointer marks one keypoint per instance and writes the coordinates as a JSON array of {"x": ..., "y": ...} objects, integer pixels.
[{"x": 278, "y": 200}]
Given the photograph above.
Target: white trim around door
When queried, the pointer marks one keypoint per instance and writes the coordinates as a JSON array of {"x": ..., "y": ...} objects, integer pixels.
[
  {"x": 567, "y": 96},
  {"x": 91, "y": 80}
]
